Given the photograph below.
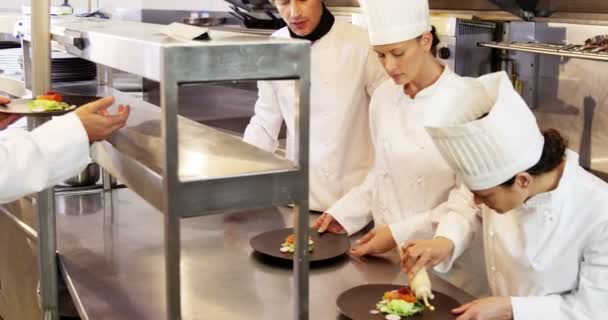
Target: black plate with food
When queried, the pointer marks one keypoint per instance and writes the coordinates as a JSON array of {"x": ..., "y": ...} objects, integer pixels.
[
  {"x": 52, "y": 104},
  {"x": 278, "y": 244},
  {"x": 365, "y": 302}
]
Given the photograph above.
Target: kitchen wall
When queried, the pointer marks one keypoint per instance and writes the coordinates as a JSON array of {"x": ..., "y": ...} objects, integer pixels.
[{"x": 572, "y": 94}]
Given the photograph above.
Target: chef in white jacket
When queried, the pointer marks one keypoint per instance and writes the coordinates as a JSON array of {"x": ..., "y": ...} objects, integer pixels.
[
  {"x": 33, "y": 161},
  {"x": 546, "y": 239},
  {"x": 408, "y": 187},
  {"x": 344, "y": 74}
]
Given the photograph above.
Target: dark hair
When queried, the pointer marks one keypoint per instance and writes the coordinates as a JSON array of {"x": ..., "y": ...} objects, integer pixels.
[
  {"x": 435, "y": 41},
  {"x": 553, "y": 154}
]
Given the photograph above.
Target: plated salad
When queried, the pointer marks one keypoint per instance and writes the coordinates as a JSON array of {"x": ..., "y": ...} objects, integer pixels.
[
  {"x": 400, "y": 303},
  {"x": 290, "y": 244},
  {"x": 51, "y": 101}
]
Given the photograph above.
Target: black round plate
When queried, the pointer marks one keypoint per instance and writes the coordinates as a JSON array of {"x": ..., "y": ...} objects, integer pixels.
[
  {"x": 356, "y": 303},
  {"x": 19, "y": 106},
  {"x": 327, "y": 246}
]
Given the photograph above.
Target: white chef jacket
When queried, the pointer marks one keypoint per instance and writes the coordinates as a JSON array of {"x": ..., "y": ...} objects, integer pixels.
[
  {"x": 33, "y": 161},
  {"x": 344, "y": 74},
  {"x": 551, "y": 254},
  {"x": 409, "y": 182}
]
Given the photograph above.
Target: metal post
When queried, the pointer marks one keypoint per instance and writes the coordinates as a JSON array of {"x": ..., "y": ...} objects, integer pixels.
[
  {"x": 47, "y": 248},
  {"x": 27, "y": 63},
  {"x": 301, "y": 261},
  {"x": 104, "y": 78},
  {"x": 41, "y": 82},
  {"x": 169, "y": 90}
]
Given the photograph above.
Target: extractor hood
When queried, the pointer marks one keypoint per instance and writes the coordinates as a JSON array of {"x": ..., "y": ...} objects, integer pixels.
[{"x": 522, "y": 8}]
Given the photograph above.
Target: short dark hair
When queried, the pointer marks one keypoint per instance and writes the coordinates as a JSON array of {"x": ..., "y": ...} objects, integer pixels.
[
  {"x": 554, "y": 152},
  {"x": 435, "y": 41}
]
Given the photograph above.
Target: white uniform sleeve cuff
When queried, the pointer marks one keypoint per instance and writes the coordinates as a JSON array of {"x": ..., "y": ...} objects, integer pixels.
[
  {"x": 413, "y": 227},
  {"x": 65, "y": 143},
  {"x": 534, "y": 308},
  {"x": 350, "y": 218},
  {"x": 452, "y": 226}
]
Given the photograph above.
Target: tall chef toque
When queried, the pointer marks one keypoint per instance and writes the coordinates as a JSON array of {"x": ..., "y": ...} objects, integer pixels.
[{"x": 489, "y": 151}]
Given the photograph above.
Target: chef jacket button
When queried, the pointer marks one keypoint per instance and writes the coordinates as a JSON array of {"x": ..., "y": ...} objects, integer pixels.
[
  {"x": 547, "y": 212},
  {"x": 491, "y": 233},
  {"x": 551, "y": 218},
  {"x": 493, "y": 268},
  {"x": 419, "y": 180}
]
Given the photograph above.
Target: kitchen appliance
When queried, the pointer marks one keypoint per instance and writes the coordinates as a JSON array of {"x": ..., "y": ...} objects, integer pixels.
[{"x": 457, "y": 47}]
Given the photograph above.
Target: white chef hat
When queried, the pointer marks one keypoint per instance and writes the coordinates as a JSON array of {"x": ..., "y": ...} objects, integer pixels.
[
  {"x": 392, "y": 21},
  {"x": 490, "y": 151}
]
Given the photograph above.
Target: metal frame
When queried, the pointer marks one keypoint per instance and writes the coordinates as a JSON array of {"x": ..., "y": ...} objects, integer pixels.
[
  {"x": 190, "y": 64},
  {"x": 45, "y": 200},
  {"x": 179, "y": 197},
  {"x": 554, "y": 50}
]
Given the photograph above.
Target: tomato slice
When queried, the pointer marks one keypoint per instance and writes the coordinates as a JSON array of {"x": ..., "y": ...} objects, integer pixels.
[{"x": 53, "y": 96}]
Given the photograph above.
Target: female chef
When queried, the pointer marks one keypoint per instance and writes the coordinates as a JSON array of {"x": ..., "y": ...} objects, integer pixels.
[
  {"x": 546, "y": 239},
  {"x": 410, "y": 185}
]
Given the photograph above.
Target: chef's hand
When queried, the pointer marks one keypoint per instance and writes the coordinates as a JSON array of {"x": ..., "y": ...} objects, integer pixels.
[
  {"x": 7, "y": 119},
  {"x": 326, "y": 222},
  {"x": 98, "y": 122},
  {"x": 492, "y": 308},
  {"x": 377, "y": 241},
  {"x": 418, "y": 254}
]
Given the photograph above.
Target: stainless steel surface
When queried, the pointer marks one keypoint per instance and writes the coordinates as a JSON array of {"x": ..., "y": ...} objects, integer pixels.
[
  {"x": 184, "y": 168},
  {"x": 115, "y": 270},
  {"x": 458, "y": 40},
  {"x": 233, "y": 59},
  {"x": 572, "y": 51},
  {"x": 206, "y": 154},
  {"x": 73, "y": 39},
  {"x": 187, "y": 169},
  {"x": 570, "y": 93},
  {"x": 45, "y": 200},
  {"x": 134, "y": 47},
  {"x": 47, "y": 258},
  {"x": 515, "y": 8},
  {"x": 89, "y": 176}
]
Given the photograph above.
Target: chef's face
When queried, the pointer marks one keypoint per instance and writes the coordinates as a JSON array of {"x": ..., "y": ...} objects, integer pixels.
[
  {"x": 301, "y": 16},
  {"x": 505, "y": 198},
  {"x": 404, "y": 61}
]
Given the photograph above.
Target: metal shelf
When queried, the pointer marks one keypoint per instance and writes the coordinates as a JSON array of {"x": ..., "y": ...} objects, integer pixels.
[
  {"x": 207, "y": 156},
  {"x": 183, "y": 168},
  {"x": 572, "y": 51}
]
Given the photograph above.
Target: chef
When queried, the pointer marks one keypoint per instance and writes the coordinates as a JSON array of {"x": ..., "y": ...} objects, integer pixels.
[
  {"x": 410, "y": 185},
  {"x": 57, "y": 150},
  {"x": 544, "y": 218},
  {"x": 344, "y": 73}
]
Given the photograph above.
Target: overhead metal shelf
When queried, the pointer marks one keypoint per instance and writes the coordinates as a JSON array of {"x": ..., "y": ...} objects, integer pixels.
[
  {"x": 183, "y": 168},
  {"x": 207, "y": 156},
  {"x": 588, "y": 52}
]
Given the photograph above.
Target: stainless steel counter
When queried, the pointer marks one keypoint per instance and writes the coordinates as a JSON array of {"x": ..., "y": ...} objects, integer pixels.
[{"x": 113, "y": 263}]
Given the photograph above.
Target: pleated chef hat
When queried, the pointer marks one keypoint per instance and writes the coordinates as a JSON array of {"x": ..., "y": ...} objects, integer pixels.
[
  {"x": 392, "y": 21},
  {"x": 489, "y": 151}
]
